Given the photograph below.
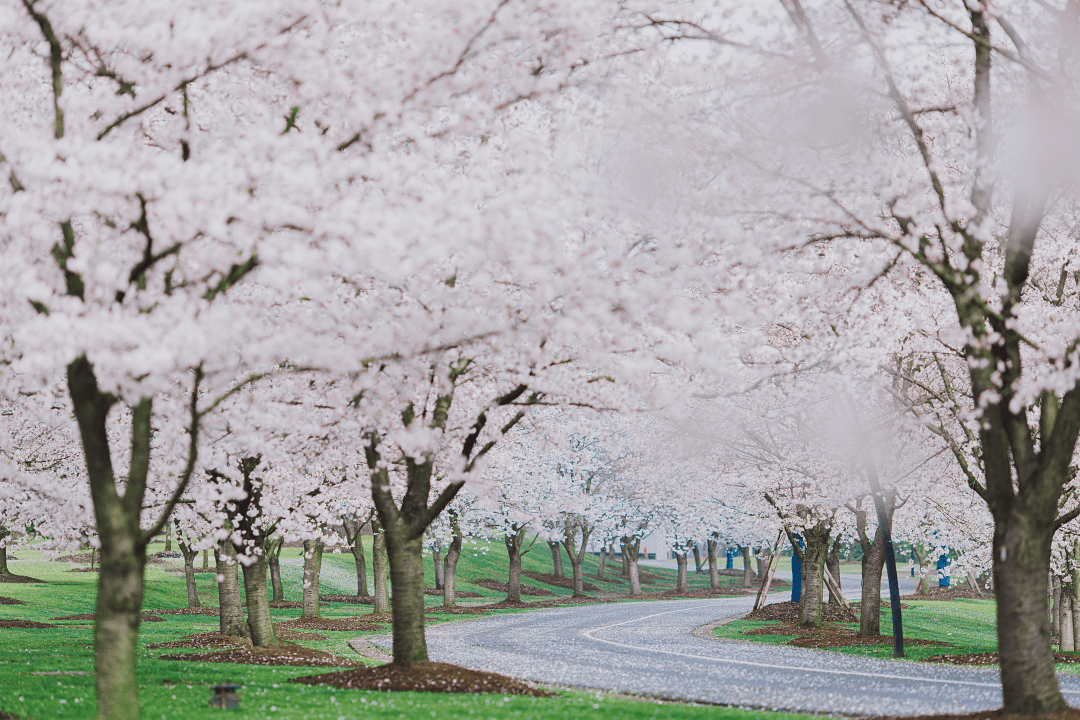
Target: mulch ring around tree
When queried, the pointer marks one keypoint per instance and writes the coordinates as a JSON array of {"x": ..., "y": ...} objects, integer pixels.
[
  {"x": 885, "y": 605},
  {"x": 563, "y": 582},
  {"x": 90, "y": 616},
  {"x": 283, "y": 654},
  {"x": 502, "y": 587},
  {"x": 10, "y": 601},
  {"x": 19, "y": 579},
  {"x": 831, "y": 636},
  {"x": 331, "y": 624},
  {"x": 999, "y": 714},
  {"x": 217, "y": 640},
  {"x": 457, "y": 593},
  {"x": 25, "y": 624},
  {"x": 424, "y": 677},
  {"x": 788, "y": 613},
  {"x": 950, "y": 593},
  {"x": 351, "y": 599},
  {"x": 189, "y": 611},
  {"x": 990, "y": 658}
]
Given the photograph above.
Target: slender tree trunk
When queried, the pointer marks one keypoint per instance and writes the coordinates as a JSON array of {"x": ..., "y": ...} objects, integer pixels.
[
  {"x": 1068, "y": 638},
  {"x": 680, "y": 578},
  {"x": 577, "y": 558},
  {"x": 513, "y": 551},
  {"x": 406, "y": 560},
  {"x": 231, "y": 616},
  {"x": 630, "y": 557},
  {"x": 379, "y": 564},
  {"x": 625, "y": 562},
  {"x": 603, "y": 561},
  {"x": 873, "y": 560},
  {"x": 714, "y": 567},
  {"x": 697, "y": 560},
  {"x": 832, "y": 562},
  {"x": 748, "y": 568},
  {"x": 273, "y": 561},
  {"x": 453, "y": 552},
  {"x": 189, "y": 554},
  {"x": 4, "y": 533},
  {"x": 815, "y": 550},
  {"x": 1055, "y": 620},
  {"x": 168, "y": 537},
  {"x": 256, "y": 582},
  {"x": 436, "y": 560},
  {"x": 353, "y": 529},
  {"x": 1074, "y": 599},
  {"x": 556, "y": 558},
  {"x": 205, "y": 559},
  {"x": 313, "y": 551}
]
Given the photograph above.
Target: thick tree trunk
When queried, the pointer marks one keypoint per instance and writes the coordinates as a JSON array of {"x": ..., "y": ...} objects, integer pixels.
[
  {"x": 697, "y": 560},
  {"x": 873, "y": 560},
  {"x": 436, "y": 560},
  {"x": 714, "y": 567},
  {"x": 513, "y": 551},
  {"x": 832, "y": 562},
  {"x": 379, "y": 565},
  {"x": 748, "y": 569},
  {"x": 190, "y": 554},
  {"x": 231, "y": 616},
  {"x": 680, "y": 578},
  {"x": 815, "y": 550},
  {"x": 273, "y": 561},
  {"x": 630, "y": 557},
  {"x": 453, "y": 552},
  {"x": 406, "y": 556},
  {"x": 313, "y": 552},
  {"x": 556, "y": 558},
  {"x": 3, "y": 561},
  {"x": 256, "y": 586}
]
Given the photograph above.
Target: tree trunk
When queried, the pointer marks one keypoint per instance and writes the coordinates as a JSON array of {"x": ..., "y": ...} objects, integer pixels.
[
  {"x": 603, "y": 560},
  {"x": 256, "y": 586},
  {"x": 273, "y": 560},
  {"x": 697, "y": 560},
  {"x": 680, "y": 578},
  {"x": 379, "y": 565},
  {"x": 873, "y": 560},
  {"x": 513, "y": 551},
  {"x": 3, "y": 552},
  {"x": 832, "y": 562},
  {"x": 714, "y": 568},
  {"x": 630, "y": 557},
  {"x": 1068, "y": 638},
  {"x": 556, "y": 558},
  {"x": 231, "y": 616},
  {"x": 406, "y": 560},
  {"x": 436, "y": 560},
  {"x": 453, "y": 552},
  {"x": 1074, "y": 598},
  {"x": 189, "y": 554},
  {"x": 815, "y": 550},
  {"x": 168, "y": 537},
  {"x": 313, "y": 551},
  {"x": 748, "y": 569},
  {"x": 762, "y": 562},
  {"x": 1055, "y": 620},
  {"x": 577, "y": 557},
  {"x": 625, "y": 562},
  {"x": 353, "y": 530}
]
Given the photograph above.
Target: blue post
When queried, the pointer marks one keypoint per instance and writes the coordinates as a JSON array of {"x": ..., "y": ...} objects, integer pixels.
[
  {"x": 914, "y": 561},
  {"x": 796, "y": 575},
  {"x": 730, "y": 558},
  {"x": 943, "y": 578}
]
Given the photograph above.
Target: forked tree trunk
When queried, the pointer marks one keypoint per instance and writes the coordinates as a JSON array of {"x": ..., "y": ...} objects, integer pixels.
[
  {"x": 231, "y": 615},
  {"x": 256, "y": 586},
  {"x": 680, "y": 577},
  {"x": 313, "y": 552},
  {"x": 873, "y": 561},
  {"x": 513, "y": 550},
  {"x": 189, "y": 554},
  {"x": 453, "y": 552},
  {"x": 815, "y": 550},
  {"x": 273, "y": 561},
  {"x": 714, "y": 567},
  {"x": 406, "y": 560},
  {"x": 556, "y": 558},
  {"x": 748, "y": 568},
  {"x": 436, "y": 560},
  {"x": 379, "y": 565},
  {"x": 577, "y": 557},
  {"x": 353, "y": 529},
  {"x": 630, "y": 557},
  {"x": 697, "y": 560}
]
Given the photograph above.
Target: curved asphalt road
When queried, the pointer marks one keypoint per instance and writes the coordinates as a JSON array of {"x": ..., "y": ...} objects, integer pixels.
[{"x": 647, "y": 648}]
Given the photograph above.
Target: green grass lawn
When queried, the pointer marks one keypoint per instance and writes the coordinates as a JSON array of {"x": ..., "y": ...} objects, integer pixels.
[{"x": 48, "y": 673}]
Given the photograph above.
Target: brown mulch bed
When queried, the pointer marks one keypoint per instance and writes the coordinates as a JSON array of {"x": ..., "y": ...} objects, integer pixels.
[
  {"x": 376, "y": 617},
  {"x": 351, "y": 599},
  {"x": 458, "y": 610},
  {"x": 27, "y": 624},
  {"x": 10, "y": 601},
  {"x": 831, "y": 636},
  {"x": 204, "y": 570},
  {"x": 284, "y": 654},
  {"x": 563, "y": 582},
  {"x": 999, "y": 714},
  {"x": 19, "y": 579},
  {"x": 502, "y": 587},
  {"x": 217, "y": 640},
  {"x": 190, "y": 611},
  {"x": 90, "y": 616},
  {"x": 334, "y": 625},
  {"x": 457, "y": 593},
  {"x": 424, "y": 677},
  {"x": 78, "y": 557},
  {"x": 8, "y": 716},
  {"x": 93, "y": 569},
  {"x": 951, "y": 593},
  {"x": 885, "y": 605},
  {"x": 788, "y": 612},
  {"x": 286, "y": 605},
  {"x": 990, "y": 658}
]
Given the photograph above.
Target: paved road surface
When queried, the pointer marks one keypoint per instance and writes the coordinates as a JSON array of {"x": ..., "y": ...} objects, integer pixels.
[{"x": 648, "y": 648}]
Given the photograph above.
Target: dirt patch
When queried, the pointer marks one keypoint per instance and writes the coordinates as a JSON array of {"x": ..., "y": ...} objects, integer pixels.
[
  {"x": 950, "y": 593},
  {"x": 424, "y": 677},
  {"x": 284, "y": 654},
  {"x": 999, "y": 714},
  {"x": 885, "y": 605},
  {"x": 203, "y": 570},
  {"x": 10, "y": 601},
  {"x": 458, "y": 610},
  {"x": 457, "y": 593},
  {"x": 563, "y": 582},
  {"x": 26, "y": 624},
  {"x": 217, "y": 640},
  {"x": 990, "y": 658},
  {"x": 832, "y": 636},
  {"x": 93, "y": 569},
  {"x": 351, "y": 599},
  {"x": 333, "y": 625},
  {"x": 709, "y": 592},
  {"x": 78, "y": 557},
  {"x": 189, "y": 611},
  {"x": 502, "y": 587},
  {"x": 8, "y": 716},
  {"x": 19, "y": 579},
  {"x": 90, "y": 616},
  {"x": 788, "y": 612},
  {"x": 285, "y": 605}
]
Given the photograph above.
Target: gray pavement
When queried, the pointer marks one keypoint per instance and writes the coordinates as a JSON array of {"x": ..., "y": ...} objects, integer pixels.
[{"x": 648, "y": 648}]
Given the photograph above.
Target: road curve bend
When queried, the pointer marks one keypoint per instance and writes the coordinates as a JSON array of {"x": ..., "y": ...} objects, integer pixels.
[{"x": 648, "y": 648}]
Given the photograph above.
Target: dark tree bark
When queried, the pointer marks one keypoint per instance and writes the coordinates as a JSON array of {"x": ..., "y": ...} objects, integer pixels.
[
  {"x": 168, "y": 536},
  {"x": 380, "y": 566},
  {"x": 630, "y": 548},
  {"x": 577, "y": 554},
  {"x": 231, "y": 615},
  {"x": 873, "y": 560},
  {"x": 273, "y": 561},
  {"x": 832, "y": 562},
  {"x": 748, "y": 568},
  {"x": 697, "y": 560},
  {"x": 813, "y": 555},
  {"x": 556, "y": 558},
  {"x": 353, "y": 535},
  {"x": 205, "y": 559},
  {"x": 603, "y": 561},
  {"x": 625, "y": 562},
  {"x": 189, "y": 554},
  {"x": 453, "y": 552},
  {"x": 436, "y": 560},
  {"x": 4, "y": 533},
  {"x": 681, "y": 582},
  {"x": 714, "y": 567},
  {"x": 313, "y": 552},
  {"x": 256, "y": 586},
  {"x": 513, "y": 541},
  {"x": 247, "y": 517}
]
